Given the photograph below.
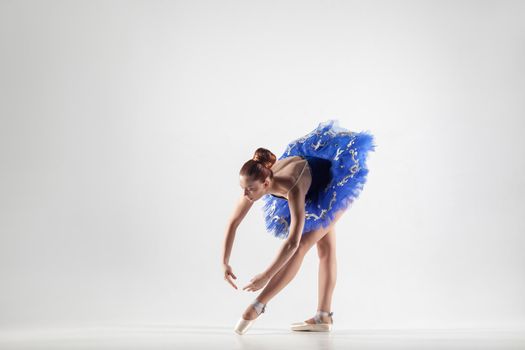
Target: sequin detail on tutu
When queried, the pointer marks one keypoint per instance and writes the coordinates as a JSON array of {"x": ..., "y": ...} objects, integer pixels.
[{"x": 347, "y": 152}]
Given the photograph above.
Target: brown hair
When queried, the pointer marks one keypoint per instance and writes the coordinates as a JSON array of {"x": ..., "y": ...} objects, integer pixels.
[{"x": 259, "y": 167}]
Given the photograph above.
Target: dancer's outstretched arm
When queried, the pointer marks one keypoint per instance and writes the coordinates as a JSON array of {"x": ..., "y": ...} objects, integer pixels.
[
  {"x": 243, "y": 206},
  {"x": 240, "y": 211}
]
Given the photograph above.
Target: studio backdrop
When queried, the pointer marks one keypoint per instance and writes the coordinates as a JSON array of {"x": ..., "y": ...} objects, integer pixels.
[{"x": 124, "y": 125}]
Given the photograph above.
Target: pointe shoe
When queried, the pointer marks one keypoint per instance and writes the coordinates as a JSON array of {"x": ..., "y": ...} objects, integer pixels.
[
  {"x": 318, "y": 326},
  {"x": 243, "y": 325}
]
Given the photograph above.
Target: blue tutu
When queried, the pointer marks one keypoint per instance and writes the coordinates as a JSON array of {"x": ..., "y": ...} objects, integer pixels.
[{"x": 337, "y": 160}]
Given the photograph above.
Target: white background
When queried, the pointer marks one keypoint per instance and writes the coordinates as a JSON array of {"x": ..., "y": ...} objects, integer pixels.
[{"x": 124, "y": 125}]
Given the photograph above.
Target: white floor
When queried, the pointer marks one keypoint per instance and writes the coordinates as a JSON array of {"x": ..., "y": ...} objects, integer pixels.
[{"x": 176, "y": 337}]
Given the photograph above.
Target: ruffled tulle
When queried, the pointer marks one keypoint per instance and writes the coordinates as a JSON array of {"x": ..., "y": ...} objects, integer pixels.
[{"x": 347, "y": 151}]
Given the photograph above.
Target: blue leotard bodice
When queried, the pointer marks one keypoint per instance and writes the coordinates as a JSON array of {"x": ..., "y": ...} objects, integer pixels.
[{"x": 321, "y": 176}]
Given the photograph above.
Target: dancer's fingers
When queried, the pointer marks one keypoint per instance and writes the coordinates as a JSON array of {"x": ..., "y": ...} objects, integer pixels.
[{"x": 231, "y": 282}]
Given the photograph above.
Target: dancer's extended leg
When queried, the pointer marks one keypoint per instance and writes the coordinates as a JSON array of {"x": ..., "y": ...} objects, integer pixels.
[{"x": 290, "y": 269}]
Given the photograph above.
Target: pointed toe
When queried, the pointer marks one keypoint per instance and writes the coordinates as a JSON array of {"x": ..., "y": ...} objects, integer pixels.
[{"x": 243, "y": 325}]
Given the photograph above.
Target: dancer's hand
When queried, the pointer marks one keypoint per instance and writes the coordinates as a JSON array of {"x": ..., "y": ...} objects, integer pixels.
[
  {"x": 228, "y": 273},
  {"x": 257, "y": 282}
]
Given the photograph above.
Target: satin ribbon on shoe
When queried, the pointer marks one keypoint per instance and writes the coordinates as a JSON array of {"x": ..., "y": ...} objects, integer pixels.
[{"x": 317, "y": 317}]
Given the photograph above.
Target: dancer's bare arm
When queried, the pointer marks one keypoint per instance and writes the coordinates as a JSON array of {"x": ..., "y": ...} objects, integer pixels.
[
  {"x": 240, "y": 211},
  {"x": 296, "y": 201},
  {"x": 242, "y": 207}
]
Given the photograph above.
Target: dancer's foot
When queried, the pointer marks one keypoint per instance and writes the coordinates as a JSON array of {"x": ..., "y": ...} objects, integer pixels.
[
  {"x": 321, "y": 322},
  {"x": 248, "y": 317}
]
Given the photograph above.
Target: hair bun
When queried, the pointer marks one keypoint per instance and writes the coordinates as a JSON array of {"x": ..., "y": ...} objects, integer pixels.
[
  {"x": 265, "y": 157},
  {"x": 265, "y": 164}
]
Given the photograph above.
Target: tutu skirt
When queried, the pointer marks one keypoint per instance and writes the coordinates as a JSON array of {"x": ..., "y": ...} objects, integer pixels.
[{"x": 337, "y": 160}]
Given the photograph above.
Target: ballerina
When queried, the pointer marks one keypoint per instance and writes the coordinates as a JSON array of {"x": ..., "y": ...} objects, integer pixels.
[{"x": 305, "y": 192}]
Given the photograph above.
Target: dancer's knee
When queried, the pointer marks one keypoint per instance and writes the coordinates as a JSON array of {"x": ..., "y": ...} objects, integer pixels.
[
  {"x": 302, "y": 249},
  {"x": 325, "y": 253},
  {"x": 326, "y": 246},
  {"x": 309, "y": 239},
  {"x": 305, "y": 245}
]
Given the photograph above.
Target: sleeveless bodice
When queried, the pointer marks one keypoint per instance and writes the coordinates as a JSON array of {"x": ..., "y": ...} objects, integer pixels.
[{"x": 321, "y": 176}]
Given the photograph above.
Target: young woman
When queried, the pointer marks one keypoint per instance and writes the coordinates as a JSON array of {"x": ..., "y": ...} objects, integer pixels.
[{"x": 305, "y": 192}]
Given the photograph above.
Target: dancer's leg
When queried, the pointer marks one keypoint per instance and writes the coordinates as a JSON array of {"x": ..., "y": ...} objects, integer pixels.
[
  {"x": 287, "y": 271},
  {"x": 327, "y": 274},
  {"x": 327, "y": 270},
  {"x": 290, "y": 269}
]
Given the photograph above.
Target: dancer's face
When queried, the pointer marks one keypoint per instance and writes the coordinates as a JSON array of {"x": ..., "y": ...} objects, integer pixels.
[{"x": 253, "y": 190}]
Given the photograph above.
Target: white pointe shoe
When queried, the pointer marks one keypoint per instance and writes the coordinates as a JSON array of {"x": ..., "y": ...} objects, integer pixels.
[
  {"x": 318, "y": 326},
  {"x": 242, "y": 325}
]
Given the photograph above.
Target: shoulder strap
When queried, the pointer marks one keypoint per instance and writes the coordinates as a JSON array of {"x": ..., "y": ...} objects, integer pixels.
[{"x": 298, "y": 178}]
